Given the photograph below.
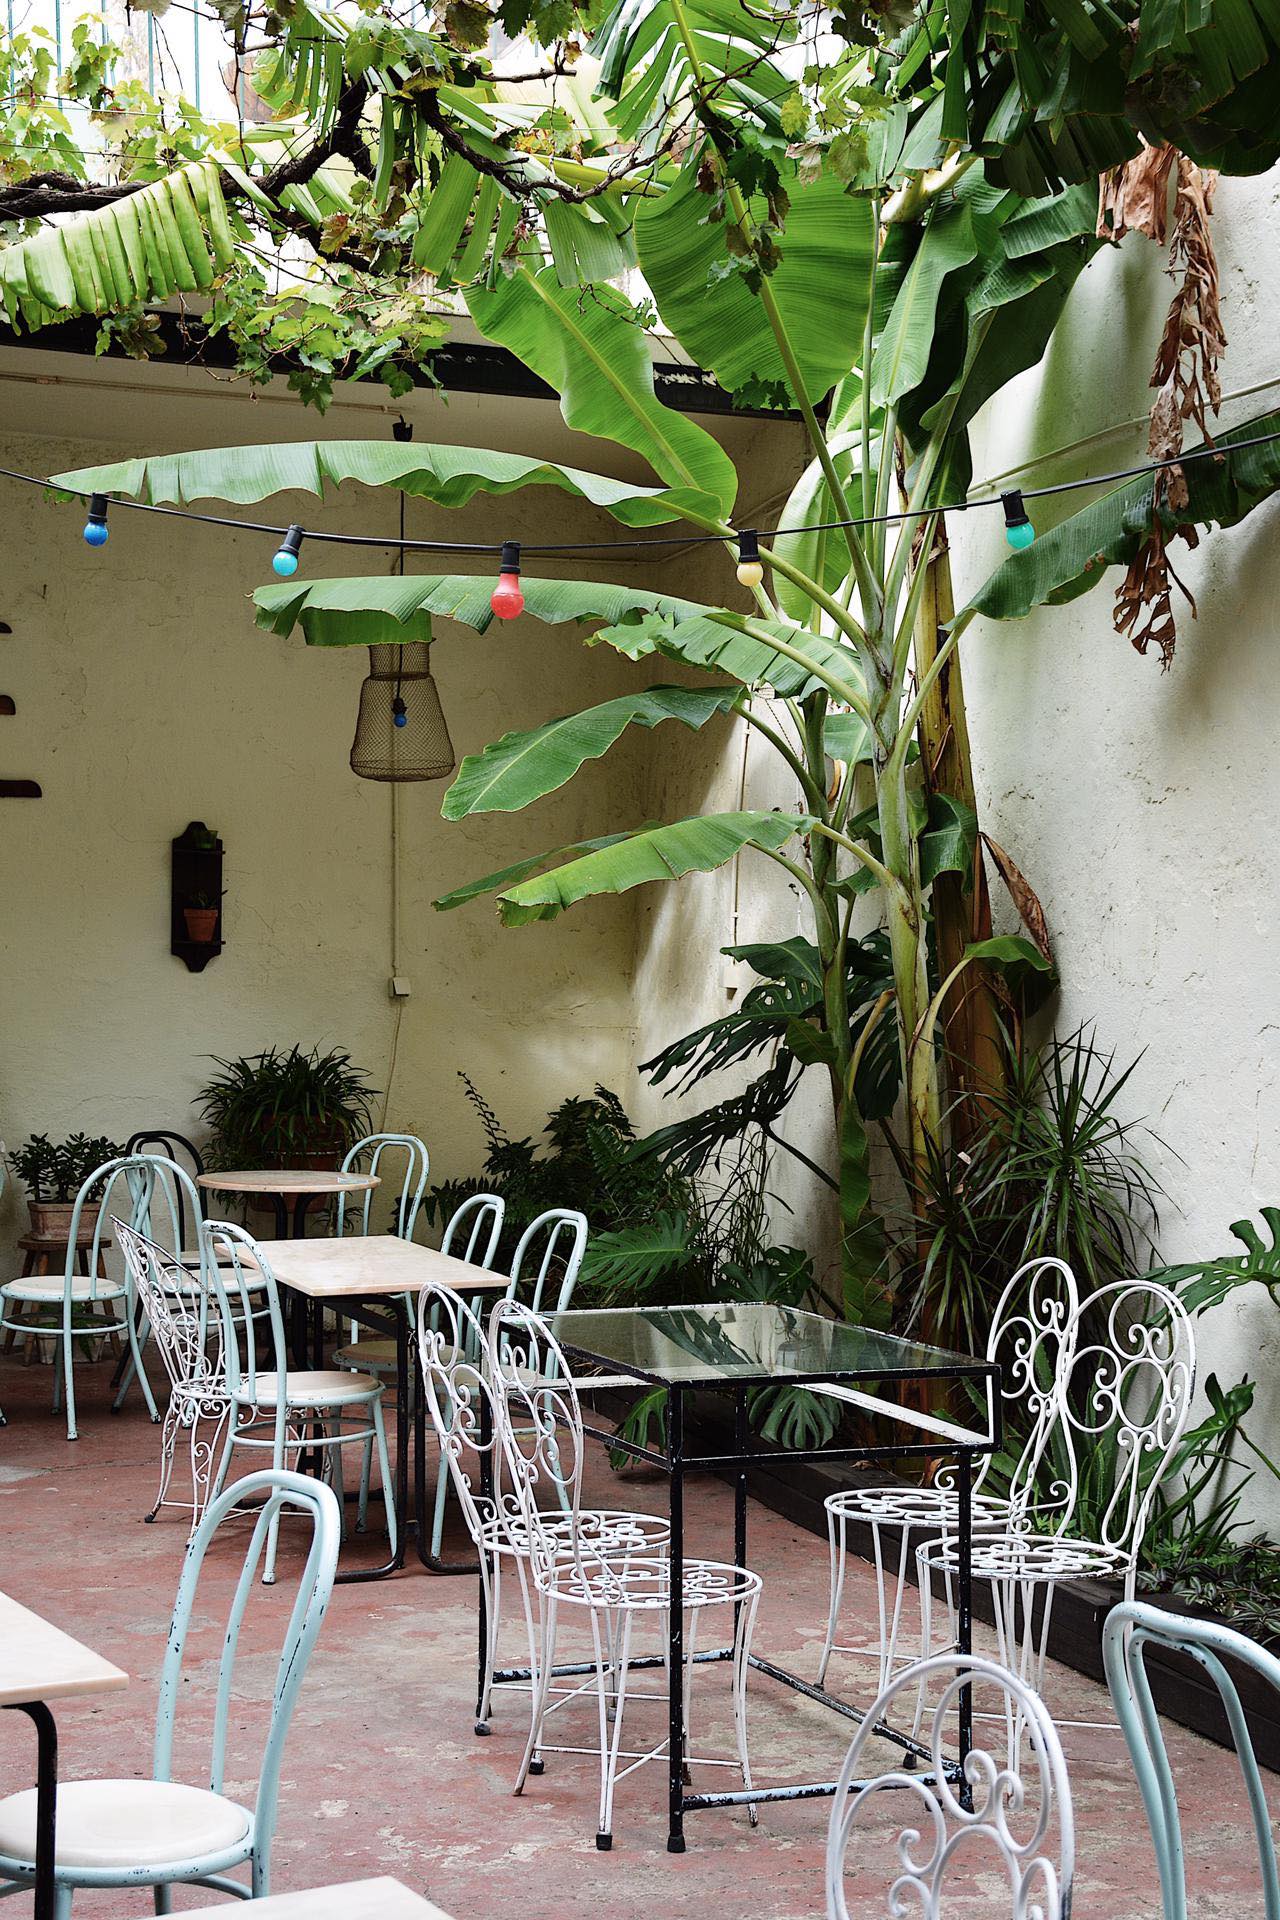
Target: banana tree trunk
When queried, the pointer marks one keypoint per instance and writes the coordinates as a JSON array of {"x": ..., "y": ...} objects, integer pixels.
[{"x": 961, "y": 903}]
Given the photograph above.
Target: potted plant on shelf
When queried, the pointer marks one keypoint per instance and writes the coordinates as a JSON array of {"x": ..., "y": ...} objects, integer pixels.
[
  {"x": 200, "y": 914},
  {"x": 53, "y": 1173},
  {"x": 284, "y": 1108}
]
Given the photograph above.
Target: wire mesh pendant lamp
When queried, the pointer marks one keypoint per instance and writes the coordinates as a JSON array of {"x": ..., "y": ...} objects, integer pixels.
[{"x": 401, "y": 731}]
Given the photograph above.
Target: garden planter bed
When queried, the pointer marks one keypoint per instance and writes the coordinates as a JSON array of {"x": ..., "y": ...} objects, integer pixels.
[{"x": 796, "y": 1489}]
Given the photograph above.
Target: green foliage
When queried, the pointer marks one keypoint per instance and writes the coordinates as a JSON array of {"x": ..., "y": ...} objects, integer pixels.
[
  {"x": 56, "y": 1170},
  {"x": 1206, "y": 1283},
  {"x": 1235, "y": 1581},
  {"x": 273, "y": 1108}
]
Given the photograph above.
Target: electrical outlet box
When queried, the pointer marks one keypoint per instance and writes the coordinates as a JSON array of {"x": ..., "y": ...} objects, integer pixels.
[{"x": 398, "y": 986}]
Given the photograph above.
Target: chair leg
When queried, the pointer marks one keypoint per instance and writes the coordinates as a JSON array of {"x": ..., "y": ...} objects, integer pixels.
[
  {"x": 836, "y": 1547},
  {"x": 163, "y": 1895},
  {"x": 62, "y": 1898},
  {"x": 68, "y": 1375},
  {"x": 437, "y": 1522},
  {"x": 540, "y": 1691},
  {"x": 135, "y": 1350},
  {"x": 168, "y": 1447},
  {"x": 366, "y": 1474},
  {"x": 384, "y": 1468},
  {"x": 746, "y": 1627},
  {"x": 611, "y": 1693}
]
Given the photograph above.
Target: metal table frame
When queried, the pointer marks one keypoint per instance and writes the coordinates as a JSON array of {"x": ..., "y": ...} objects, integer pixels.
[
  {"x": 853, "y": 1387},
  {"x": 46, "y": 1886}
]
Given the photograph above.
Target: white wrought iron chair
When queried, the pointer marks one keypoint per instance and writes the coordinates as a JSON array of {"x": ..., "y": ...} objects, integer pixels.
[
  {"x": 1018, "y": 1830},
  {"x": 1123, "y": 1413},
  {"x": 275, "y": 1408},
  {"x": 1128, "y": 1632},
  {"x": 162, "y": 1832},
  {"x": 542, "y": 1444},
  {"x": 461, "y": 1396},
  {"x": 143, "y": 1187},
  {"x": 1031, "y": 1339},
  {"x": 472, "y": 1234},
  {"x": 185, "y": 1319}
]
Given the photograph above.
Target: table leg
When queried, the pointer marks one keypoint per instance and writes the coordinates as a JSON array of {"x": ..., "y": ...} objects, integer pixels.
[
  {"x": 675, "y": 1622},
  {"x": 964, "y": 1610},
  {"x": 46, "y": 1804},
  {"x": 300, "y": 1207}
]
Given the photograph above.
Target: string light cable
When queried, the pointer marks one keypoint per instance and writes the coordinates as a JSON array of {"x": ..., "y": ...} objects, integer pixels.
[{"x": 507, "y": 599}]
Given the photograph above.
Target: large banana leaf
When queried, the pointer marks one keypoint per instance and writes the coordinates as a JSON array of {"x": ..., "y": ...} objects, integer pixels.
[
  {"x": 655, "y": 853},
  {"x": 1075, "y": 555},
  {"x": 448, "y": 475},
  {"x": 170, "y": 237},
  {"x": 948, "y": 243},
  {"x": 521, "y": 767},
  {"x": 370, "y": 611},
  {"x": 521, "y": 869},
  {"x": 589, "y": 346},
  {"x": 821, "y": 285},
  {"x": 645, "y": 67}
]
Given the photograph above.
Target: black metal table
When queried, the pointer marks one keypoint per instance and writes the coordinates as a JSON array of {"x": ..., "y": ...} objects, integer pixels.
[{"x": 737, "y": 1348}]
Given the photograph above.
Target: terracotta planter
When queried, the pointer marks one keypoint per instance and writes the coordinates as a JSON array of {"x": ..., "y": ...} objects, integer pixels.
[
  {"x": 201, "y": 922},
  {"x": 51, "y": 1219}
]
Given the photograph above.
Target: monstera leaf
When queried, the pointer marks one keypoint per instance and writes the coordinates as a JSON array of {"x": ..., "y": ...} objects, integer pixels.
[{"x": 1205, "y": 1283}]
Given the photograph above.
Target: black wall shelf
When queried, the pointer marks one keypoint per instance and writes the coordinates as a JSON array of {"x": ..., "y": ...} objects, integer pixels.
[{"x": 196, "y": 870}]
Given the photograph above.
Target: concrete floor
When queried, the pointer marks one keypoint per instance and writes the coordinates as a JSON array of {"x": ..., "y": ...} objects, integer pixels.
[{"x": 383, "y": 1773}]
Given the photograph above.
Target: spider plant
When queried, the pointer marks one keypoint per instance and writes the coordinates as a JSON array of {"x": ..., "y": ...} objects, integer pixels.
[{"x": 282, "y": 1106}]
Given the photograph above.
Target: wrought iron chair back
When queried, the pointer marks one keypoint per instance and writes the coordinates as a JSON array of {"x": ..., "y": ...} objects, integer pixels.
[
  {"x": 481, "y": 1216},
  {"x": 1034, "y": 1329},
  {"x": 1132, "y": 1628},
  {"x": 182, "y": 1310},
  {"x": 461, "y": 1400},
  {"x": 1028, "y": 1837},
  {"x": 367, "y": 1156},
  {"x": 1126, "y": 1406},
  {"x": 541, "y": 1433},
  {"x": 563, "y": 1234},
  {"x": 280, "y": 1490}
]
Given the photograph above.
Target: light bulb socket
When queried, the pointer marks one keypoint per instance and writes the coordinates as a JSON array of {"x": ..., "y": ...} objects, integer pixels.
[
  {"x": 510, "y": 561},
  {"x": 1015, "y": 513},
  {"x": 402, "y": 429},
  {"x": 748, "y": 546},
  {"x": 95, "y": 524},
  {"x": 286, "y": 558}
]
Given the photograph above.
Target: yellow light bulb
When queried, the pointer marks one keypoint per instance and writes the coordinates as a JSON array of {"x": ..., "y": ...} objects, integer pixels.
[{"x": 750, "y": 573}]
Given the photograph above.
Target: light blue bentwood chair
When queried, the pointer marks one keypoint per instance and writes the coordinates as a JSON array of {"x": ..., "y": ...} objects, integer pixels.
[
  {"x": 161, "y": 1832},
  {"x": 143, "y": 1188},
  {"x": 1130, "y": 1630}
]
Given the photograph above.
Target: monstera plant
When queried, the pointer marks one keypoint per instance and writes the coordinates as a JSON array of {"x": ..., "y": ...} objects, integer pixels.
[{"x": 835, "y": 244}]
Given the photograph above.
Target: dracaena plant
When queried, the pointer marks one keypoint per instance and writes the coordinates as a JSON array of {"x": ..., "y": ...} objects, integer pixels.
[{"x": 882, "y": 279}]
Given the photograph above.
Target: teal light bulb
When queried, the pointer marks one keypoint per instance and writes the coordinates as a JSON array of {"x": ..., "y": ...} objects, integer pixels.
[
  {"x": 1021, "y": 535},
  {"x": 285, "y": 564}
]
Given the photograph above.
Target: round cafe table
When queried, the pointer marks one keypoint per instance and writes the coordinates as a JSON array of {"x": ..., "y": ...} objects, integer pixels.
[{"x": 281, "y": 1184}]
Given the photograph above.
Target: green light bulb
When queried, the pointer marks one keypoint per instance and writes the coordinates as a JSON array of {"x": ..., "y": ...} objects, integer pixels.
[{"x": 1020, "y": 535}]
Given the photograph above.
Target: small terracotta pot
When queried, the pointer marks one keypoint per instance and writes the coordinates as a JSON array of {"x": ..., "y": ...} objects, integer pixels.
[
  {"x": 201, "y": 922},
  {"x": 51, "y": 1219}
]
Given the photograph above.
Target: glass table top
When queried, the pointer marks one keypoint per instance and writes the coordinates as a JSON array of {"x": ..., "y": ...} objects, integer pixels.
[{"x": 746, "y": 1342}]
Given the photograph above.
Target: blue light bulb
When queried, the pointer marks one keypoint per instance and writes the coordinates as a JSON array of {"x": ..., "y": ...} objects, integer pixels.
[
  {"x": 285, "y": 564},
  {"x": 401, "y": 719},
  {"x": 95, "y": 527},
  {"x": 1020, "y": 535},
  {"x": 399, "y": 716}
]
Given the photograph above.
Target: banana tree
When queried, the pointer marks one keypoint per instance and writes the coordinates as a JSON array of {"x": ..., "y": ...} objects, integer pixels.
[{"x": 884, "y": 308}]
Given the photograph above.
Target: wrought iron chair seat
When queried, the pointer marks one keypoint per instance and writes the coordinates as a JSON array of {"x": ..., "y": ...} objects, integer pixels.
[
  {"x": 332, "y": 1387},
  {"x": 1029, "y": 1557},
  {"x": 43, "y": 1288},
  {"x": 112, "y": 1825},
  {"x": 614, "y": 1532},
  {"x": 912, "y": 1506},
  {"x": 634, "y": 1584}
]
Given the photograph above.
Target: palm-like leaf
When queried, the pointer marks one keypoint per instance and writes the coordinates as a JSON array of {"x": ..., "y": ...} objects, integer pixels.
[
  {"x": 521, "y": 767},
  {"x": 1075, "y": 555},
  {"x": 655, "y": 853},
  {"x": 644, "y": 64},
  {"x": 449, "y": 476},
  {"x": 173, "y": 236}
]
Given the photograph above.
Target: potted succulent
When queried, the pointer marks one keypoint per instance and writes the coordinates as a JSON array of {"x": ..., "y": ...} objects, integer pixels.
[
  {"x": 284, "y": 1108},
  {"x": 53, "y": 1172},
  {"x": 200, "y": 913}
]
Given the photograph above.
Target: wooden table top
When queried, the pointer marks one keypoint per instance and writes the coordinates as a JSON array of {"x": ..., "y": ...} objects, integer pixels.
[
  {"x": 376, "y": 1263},
  {"x": 384, "y": 1899},
  {"x": 38, "y": 1661},
  {"x": 286, "y": 1180}
]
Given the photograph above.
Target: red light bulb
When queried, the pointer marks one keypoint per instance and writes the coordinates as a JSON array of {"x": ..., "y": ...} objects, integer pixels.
[{"x": 506, "y": 599}]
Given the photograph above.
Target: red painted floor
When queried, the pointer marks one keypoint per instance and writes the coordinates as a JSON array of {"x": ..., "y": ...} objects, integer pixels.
[{"x": 383, "y": 1773}]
